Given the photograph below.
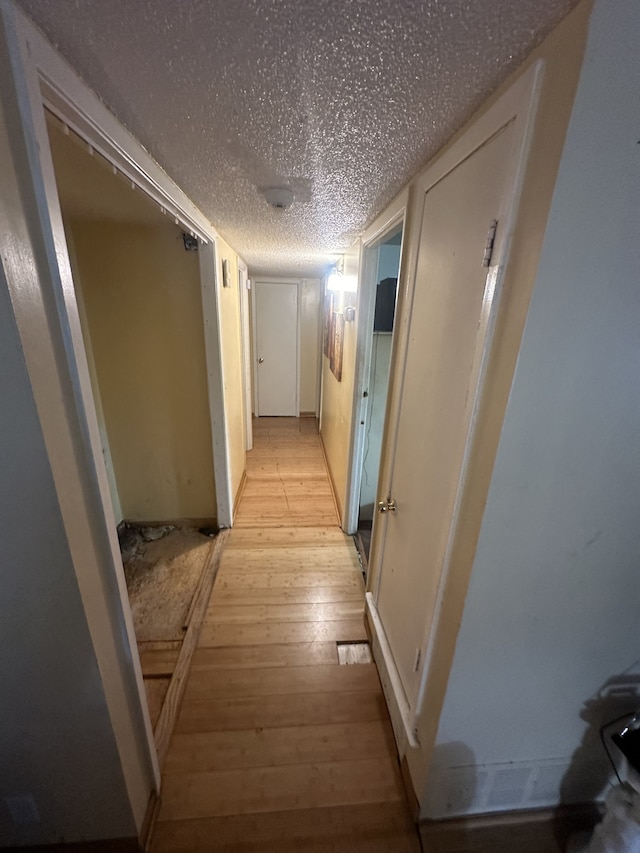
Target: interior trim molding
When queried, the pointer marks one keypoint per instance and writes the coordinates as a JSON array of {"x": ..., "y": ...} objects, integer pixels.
[
  {"x": 531, "y": 831},
  {"x": 334, "y": 492},
  {"x": 243, "y": 483},
  {"x": 114, "y": 845}
]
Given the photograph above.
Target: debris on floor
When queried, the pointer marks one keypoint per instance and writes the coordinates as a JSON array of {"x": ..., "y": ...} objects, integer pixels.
[
  {"x": 162, "y": 567},
  {"x": 132, "y": 537}
]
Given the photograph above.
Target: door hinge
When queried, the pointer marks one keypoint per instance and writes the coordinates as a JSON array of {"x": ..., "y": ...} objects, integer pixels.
[{"x": 491, "y": 238}]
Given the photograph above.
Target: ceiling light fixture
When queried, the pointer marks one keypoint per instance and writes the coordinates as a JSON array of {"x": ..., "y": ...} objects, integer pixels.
[
  {"x": 338, "y": 281},
  {"x": 279, "y": 197}
]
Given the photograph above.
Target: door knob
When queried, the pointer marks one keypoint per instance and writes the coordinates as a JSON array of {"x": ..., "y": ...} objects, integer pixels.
[
  {"x": 388, "y": 506},
  {"x": 260, "y": 360}
]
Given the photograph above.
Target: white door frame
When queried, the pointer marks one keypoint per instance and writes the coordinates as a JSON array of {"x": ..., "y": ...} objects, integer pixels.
[
  {"x": 265, "y": 279},
  {"x": 245, "y": 333},
  {"x": 47, "y": 314},
  {"x": 53, "y": 84},
  {"x": 365, "y": 310},
  {"x": 518, "y": 104}
]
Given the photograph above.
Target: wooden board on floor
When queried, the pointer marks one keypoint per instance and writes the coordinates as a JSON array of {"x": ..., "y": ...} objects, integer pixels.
[
  {"x": 283, "y": 632},
  {"x": 273, "y": 654},
  {"x": 271, "y": 681},
  {"x": 173, "y": 699},
  {"x": 287, "y": 559},
  {"x": 253, "y": 613},
  {"x": 288, "y": 595},
  {"x": 288, "y": 580},
  {"x": 275, "y": 711},
  {"x": 203, "y": 752},
  {"x": 265, "y": 789},
  {"x": 374, "y": 828},
  {"x": 286, "y": 536},
  {"x": 156, "y": 690}
]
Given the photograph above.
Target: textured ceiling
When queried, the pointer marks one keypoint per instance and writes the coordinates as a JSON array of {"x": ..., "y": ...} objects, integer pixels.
[{"x": 341, "y": 100}]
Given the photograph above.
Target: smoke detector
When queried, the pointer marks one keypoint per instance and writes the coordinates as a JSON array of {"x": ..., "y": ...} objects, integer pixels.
[{"x": 279, "y": 197}]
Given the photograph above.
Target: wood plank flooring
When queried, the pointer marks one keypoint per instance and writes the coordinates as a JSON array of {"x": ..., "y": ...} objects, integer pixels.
[
  {"x": 277, "y": 747},
  {"x": 287, "y": 481}
]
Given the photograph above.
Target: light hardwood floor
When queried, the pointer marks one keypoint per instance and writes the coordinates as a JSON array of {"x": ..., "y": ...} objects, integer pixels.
[{"x": 277, "y": 747}]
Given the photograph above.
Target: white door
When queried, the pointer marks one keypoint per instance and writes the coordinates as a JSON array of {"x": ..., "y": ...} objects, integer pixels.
[
  {"x": 246, "y": 355},
  {"x": 444, "y": 341},
  {"x": 276, "y": 348}
]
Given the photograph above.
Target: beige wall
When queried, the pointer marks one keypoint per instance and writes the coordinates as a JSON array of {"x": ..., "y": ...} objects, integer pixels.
[
  {"x": 141, "y": 293},
  {"x": 337, "y": 397},
  {"x": 309, "y": 343},
  {"x": 232, "y": 365}
]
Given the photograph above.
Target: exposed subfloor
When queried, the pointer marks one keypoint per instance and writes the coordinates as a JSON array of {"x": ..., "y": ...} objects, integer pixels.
[
  {"x": 278, "y": 747},
  {"x": 162, "y": 568}
]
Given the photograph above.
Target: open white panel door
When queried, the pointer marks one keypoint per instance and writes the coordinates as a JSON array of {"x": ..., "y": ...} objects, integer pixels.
[{"x": 463, "y": 215}]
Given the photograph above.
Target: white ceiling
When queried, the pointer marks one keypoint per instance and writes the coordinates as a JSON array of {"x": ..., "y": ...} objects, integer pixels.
[{"x": 341, "y": 100}]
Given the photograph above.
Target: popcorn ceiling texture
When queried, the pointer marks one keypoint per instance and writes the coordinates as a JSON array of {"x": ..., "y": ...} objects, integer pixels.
[{"x": 341, "y": 100}]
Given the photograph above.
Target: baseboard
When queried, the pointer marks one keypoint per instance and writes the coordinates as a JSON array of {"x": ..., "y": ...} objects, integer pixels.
[
  {"x": 153, "y": 806},
  {"x": 407, "y": 781},
  {"x": 209, "y": 521},
  {"x": 307, "y": 414},
  {"x": 539, "y": 831},
  {"x": 173, "y": 699},
  {"x": 115, "y": 845},
  {"x": 336, "y": 500},
  {"x": 399, "y": 711},
  {"x": 243, "y": 483}
]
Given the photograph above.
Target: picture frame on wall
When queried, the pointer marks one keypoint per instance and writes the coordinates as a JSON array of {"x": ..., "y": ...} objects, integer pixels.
[
  {"x": 337, "y": 345},
  {"x": 326, "y": 326},
  {"x": 333, "y": 334}
]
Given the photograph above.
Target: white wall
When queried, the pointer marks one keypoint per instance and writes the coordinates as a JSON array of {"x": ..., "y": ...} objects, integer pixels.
[
  {"x": 55, "y": 728},
  {"x": 551, "y": 620}
]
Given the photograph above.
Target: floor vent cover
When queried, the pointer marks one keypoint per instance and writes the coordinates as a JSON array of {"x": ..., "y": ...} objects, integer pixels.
[{"x": 349, "y": 653}]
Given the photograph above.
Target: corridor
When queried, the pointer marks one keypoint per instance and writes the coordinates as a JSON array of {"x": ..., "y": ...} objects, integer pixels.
[{"x": 277, "y": 746}]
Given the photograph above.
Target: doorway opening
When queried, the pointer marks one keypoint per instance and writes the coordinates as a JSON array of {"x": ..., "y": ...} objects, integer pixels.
[
  {"x": 382, "y": 267},
  {"x": 137, "y": 286}
]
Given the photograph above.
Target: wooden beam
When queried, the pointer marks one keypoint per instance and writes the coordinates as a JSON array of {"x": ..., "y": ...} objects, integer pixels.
[{"x": 173, "y": 700}]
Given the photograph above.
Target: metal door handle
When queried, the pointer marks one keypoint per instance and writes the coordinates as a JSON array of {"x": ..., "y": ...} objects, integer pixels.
[
  {"x": 388, "y": 506},
  {"x": 260, "y": 360}
]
